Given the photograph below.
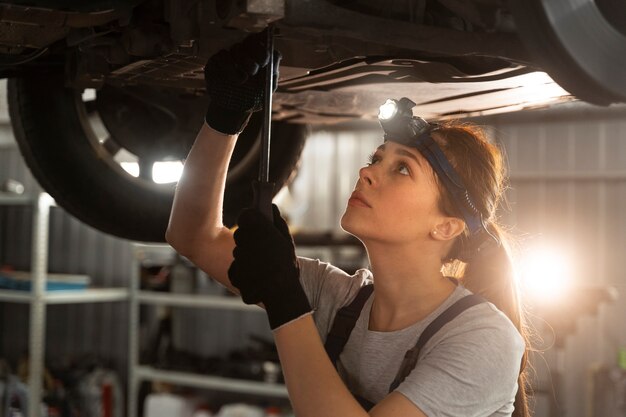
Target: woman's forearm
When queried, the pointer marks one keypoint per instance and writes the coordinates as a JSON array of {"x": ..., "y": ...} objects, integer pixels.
[
  {"x": 197, "y": 209},
  {"x": 315, "y": 388}
]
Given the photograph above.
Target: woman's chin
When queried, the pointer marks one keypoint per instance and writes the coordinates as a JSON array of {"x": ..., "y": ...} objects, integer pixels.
[
  {"x": 347, "y": 226},
  {"x": 344, "y": 222}
]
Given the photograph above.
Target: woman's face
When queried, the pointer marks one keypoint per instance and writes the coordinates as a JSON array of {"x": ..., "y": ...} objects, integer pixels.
[{"x": 396, "y": 197}]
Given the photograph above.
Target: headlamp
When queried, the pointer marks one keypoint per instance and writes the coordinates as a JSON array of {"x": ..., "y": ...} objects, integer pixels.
[
  {"x": 400, "y": 126},
  {"x": 398, "y": 122},
  {"x": 388, "y": 110}
]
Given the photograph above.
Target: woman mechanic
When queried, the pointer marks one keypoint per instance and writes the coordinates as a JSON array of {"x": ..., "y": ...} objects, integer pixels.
[{"x": 406, "y": 338}]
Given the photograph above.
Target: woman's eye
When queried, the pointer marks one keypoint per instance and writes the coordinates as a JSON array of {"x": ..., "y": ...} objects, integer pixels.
[
  {"x": 372, "y": 159},
  {"x": 403, "y": 169}
]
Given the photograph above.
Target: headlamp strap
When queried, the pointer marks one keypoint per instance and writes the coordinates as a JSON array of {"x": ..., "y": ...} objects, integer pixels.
[{"x": 427, "y": 146}]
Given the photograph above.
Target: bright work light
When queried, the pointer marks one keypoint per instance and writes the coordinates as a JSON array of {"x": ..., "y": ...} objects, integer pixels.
[
  {"x": 163, "y": 172},
  {"x": 545, "y": 273},
  {"x": 388, "y": 110}
]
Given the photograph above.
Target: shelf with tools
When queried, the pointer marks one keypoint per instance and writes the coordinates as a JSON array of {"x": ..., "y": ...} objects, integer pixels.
[
  {"x": 160, "y": 254},
  {"x": 36, "y": 293}
]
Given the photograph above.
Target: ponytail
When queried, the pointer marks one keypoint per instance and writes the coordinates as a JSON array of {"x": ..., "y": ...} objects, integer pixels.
[{"x": 491, "y": 275}]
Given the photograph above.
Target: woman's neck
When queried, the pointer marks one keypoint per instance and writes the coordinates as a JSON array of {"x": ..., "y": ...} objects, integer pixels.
[{"x": 408, "y": 286}]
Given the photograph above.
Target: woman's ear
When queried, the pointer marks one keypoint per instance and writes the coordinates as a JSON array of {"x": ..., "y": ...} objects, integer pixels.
[{"x": 448, "y": 228}]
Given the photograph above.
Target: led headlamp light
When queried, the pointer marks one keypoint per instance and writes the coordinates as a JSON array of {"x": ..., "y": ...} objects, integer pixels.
[
  {"x": 398, "y": 122},
  {"x": 400, "y": 126}
]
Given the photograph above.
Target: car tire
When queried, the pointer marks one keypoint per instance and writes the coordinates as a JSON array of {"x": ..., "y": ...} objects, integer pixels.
[
  {"x": 579, "y": 43},
  {"x": 56, "y": 147}
]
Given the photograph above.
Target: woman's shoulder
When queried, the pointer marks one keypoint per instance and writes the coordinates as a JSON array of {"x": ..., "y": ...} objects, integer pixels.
[
  {"x": 480, "y": 345},
  {"x": 483, "y": 320},
  {"x": 327, "y": 278},
  {"x": 328, "y": 268}
]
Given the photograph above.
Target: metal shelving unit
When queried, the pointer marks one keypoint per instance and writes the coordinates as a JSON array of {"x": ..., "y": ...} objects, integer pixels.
[
  {"x": 92, "y": 295},
  {"x": 196, "y": 301},
  {"x": 138, "y": 373},
  {"x": 212, "y": 382},
  {"x": 38, "y": 298}
]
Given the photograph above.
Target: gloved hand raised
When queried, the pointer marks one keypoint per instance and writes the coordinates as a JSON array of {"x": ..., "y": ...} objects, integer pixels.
[
  {"x": 265, "y": 267},
  {"x": 235, "y": 83}
]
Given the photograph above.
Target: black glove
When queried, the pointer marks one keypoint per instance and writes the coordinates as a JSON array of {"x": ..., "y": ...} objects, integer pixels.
[
  {"x": 235, "y": 83},
  {"x": 265, "y": 268}
]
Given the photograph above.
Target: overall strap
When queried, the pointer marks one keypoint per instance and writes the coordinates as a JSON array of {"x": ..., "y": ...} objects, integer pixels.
[
  {"x": 344, "y": 323},
  {"x": 410, "y": 358}
]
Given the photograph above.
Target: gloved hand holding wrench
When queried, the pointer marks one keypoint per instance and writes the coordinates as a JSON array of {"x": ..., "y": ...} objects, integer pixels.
[
  {"x": 265, "y": 268},
  {"x": 240, "y": 81}
]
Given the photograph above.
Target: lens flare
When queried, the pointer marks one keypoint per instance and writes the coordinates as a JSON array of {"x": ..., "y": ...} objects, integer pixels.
[{"x": 545, "y": 273}]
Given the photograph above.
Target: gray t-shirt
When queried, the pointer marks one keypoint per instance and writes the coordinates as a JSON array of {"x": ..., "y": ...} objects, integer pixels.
[{"x": 468, "y": 368}]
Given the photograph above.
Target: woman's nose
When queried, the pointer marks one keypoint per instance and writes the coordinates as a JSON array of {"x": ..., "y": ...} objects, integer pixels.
[{"x": 365, "y": 175}]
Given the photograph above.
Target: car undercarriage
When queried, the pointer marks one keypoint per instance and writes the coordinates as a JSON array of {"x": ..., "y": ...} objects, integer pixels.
[{"x": 126, "y": 79}]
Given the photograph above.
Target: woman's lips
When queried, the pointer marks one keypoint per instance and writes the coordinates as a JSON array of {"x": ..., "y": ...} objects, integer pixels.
[{"x": 357, "y": 200}]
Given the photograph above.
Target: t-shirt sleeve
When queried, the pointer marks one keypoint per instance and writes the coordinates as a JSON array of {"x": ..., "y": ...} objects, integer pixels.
[
  {"x": 328, "y": 288},
  {"x": 472, "y": 372}
]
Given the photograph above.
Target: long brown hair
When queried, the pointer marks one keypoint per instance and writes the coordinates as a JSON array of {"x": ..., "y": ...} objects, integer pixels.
[{"x": 489, "y": 273}]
